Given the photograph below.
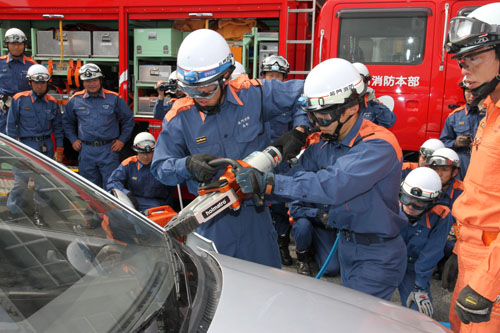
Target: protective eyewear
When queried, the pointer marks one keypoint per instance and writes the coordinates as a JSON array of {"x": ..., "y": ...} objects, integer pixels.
[
  {"x": 465, "y": 29},
  {"x": 472, "y": 60},
  {"x": 15, "y": 39},
  {"x": 332, "y": 112},
  {"x": 413, "y": 202},
  {"x": 39, "y": 77},
  {"x": 205, "y": 92},
  {"x": 145, "y": 146},
  {"x": 438, "y": 161},
  {"x": 426, "y": 152}
]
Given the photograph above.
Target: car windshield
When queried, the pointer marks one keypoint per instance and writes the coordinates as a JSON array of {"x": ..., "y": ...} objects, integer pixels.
[{"x": 70, "y": 258}]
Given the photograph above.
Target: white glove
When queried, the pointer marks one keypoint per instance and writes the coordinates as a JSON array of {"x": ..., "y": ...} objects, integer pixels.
[{"x": 421, "y": 298}]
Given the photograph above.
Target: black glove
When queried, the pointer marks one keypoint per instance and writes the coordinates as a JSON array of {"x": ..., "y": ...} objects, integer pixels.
[
  {"x": 472, "y": 307},
  {"x": 198, "y": 166},
  {"x": 132, "y": 198},
  {"x": 450, "y": 273},
  {"x": 291, "y": 143}
]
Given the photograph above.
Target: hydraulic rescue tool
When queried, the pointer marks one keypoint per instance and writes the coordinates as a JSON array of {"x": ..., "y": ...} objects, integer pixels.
[{"x": 216, "y": 197}]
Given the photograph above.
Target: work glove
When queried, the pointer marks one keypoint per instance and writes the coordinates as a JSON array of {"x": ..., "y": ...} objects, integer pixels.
[
  {"x": 450, "y": 273},
  {"x": 59, "y": 154},
  {"x": 197, "y": 165},
  {"x": 5, "y": 102},
  {"x": 462, "y": 141},
  {"x": 291, "y": 143},
  {"x": 421, "y": 299},
  {"x": 132, "y": 198},
  {"x": 472, "y": 307},
  {"x": 252, "y": 181},
  {"x": 323, "y": 218}
]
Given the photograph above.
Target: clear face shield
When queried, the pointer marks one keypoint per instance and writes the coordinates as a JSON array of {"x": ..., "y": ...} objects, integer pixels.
[{"x": 468, "y": 32}]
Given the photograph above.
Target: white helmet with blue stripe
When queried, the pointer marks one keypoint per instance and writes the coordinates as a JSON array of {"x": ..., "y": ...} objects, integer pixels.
[{"x": 204, "y": 57}]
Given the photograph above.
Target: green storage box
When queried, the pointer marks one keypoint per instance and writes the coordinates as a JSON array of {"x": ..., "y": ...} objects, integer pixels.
[{"x": 157, "y": 42}]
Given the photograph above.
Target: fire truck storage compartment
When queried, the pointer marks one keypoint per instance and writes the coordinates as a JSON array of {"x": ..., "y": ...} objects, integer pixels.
[
  {"x": 157, "y": 42},
  {"x": 267, "y": 49},
  {"x": 154, "y": 73},
  {"x": 146, "y": 106},
  {"x": 75, "y": 43},
  {"x": 105, "y": 44}
]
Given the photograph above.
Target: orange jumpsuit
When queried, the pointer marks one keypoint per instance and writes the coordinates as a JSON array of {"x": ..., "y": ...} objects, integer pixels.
[{"x": 477, "y": 212}]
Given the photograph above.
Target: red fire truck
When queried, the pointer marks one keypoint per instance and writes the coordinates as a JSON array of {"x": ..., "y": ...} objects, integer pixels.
[
  {"x": 402, "y": 44},
  {"x": 136, "y": 43}
]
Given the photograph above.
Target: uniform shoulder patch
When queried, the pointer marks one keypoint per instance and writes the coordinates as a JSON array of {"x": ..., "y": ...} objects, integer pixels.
[
  {"x": 30, "y": 60},
  {"x": 440, "y": 210},
  {"x": 106, "y": 91},
  {"x": 182, "y": 104},
  {"x": 78, "y": 93},
  {"x": 460, "y": 108},
  {"x": 371, "y": 131},
  {"x": 243, "y": 82},
  {"x": 51, "y": 98}
]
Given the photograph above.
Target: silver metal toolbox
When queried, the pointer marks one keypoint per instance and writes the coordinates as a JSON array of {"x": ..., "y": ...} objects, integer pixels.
[
  {"x": 75, "y": 43},
  {"x": 146, "y": 106},
  {"x": 105, "y": 44},
  {"x": 153, "y": 73}
]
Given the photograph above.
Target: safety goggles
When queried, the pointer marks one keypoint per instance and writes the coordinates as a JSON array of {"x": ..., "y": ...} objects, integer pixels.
[
  {"x": 206, "y": 92},
  {"x": 145, "y": 147},
  {"x": 39, "y": 77},
  {"x": 90, "y": 71},
  {"x": 326, "y": 116},
  {"x": 15, "y": 39},
  {"x": 275, "y": 64},
  {"x": 426, "y": 152},
  {"x": 463, "y": 30},
  {"x": 438, "y": 161},
  {"x": 472, "y": 60},
  {"x": 413, "y": 202}
]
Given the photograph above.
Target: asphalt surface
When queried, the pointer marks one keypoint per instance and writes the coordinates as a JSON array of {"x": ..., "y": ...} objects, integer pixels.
[{"x": 441, "y": 298}]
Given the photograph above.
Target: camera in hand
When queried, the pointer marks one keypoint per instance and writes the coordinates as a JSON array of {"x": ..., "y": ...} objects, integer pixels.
[{"x": 167, "y": 86}]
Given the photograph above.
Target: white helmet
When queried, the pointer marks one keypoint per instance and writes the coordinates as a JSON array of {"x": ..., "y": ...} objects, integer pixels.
[
  {"x": 429, "y": 146},
  {"x": 90, "y": 71},
  {"x": 82, "y": 258},
  {"x": 238, "y": 69},
  {"x": 144, "y": 142},
  {"x": 204, "y": 57},
  {"x": 38, "y": 73},
  {"x": 423, "y": 184},
  {"x": 275, "y": 63},
  {"x": 14, "y": 35},
  {"x": 443, "y": 157},
  {"x": 362, "y": 69},
  {"x": 478, "y": 29},
  {"x": 331, "y": 82}
]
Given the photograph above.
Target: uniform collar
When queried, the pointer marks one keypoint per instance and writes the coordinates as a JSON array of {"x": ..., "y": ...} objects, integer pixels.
[
  {"x": 34, "y": 97},
  {"x": 21, "y": 59},
  {"x": 100, "y": 94},
  {"x": 232, "y": 97}
]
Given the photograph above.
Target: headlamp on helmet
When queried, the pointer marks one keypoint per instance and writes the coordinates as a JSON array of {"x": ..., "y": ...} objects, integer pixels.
[{"x": 89, "y": 72}]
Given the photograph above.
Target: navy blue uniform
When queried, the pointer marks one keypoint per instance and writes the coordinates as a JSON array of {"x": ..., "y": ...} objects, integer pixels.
[
  {"x": 309, "y": 232},
  {"x": 425, "y": 240},
  {"x": 359, "y": 178},
  {"x": 133, "y": 176},
  {"x": 463, "y": 121},
  {"x": 13, "y": 79},
  {"x": 235, "y": 131},
  {"x": 95, "y": 121}
]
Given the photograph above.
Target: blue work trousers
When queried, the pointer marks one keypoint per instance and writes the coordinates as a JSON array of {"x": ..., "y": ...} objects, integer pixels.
[{"x": 97, "y": 163}]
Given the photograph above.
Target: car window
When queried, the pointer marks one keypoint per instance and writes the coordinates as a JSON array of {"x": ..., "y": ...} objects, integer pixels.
[
  {"x": 87, "y": 264},
  {"x": 372, "y": 38}
]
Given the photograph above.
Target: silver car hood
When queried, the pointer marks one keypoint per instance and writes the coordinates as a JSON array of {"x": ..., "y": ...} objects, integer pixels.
[{"x": 257, "y": 298}]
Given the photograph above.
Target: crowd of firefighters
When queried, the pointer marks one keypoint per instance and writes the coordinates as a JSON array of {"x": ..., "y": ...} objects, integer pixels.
[{"x": 396, "y": 223}]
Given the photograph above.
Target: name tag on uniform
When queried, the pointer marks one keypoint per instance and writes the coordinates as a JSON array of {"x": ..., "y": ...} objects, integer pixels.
[
  {"x": 4, "y": 70},
  {"x": 81, "y": 108},
  {"x": 134, "y": 178},
  {"x": 201, "y": 139},
  {"x": 27, "y": 108},
  {"x": 461, "y": 123}
]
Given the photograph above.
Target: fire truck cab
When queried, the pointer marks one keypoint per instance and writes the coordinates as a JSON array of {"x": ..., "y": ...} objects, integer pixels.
[{"x": 402, "y": 44}]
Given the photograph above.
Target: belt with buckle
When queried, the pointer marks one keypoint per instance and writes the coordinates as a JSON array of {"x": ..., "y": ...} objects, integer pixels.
[
  {"x": 36, "y": 138},
  {"x": 97, "y": 143},
  {"x": 364, "y": 239}
]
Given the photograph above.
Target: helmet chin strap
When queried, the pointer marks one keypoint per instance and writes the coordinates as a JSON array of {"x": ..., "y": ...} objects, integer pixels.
[
  {"x": 484, "y": 90},
  {"x": 212, "y": 109},
  {"x": 335, "y": 135}
]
